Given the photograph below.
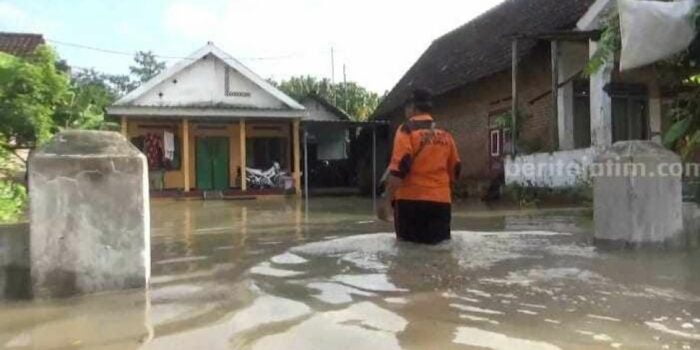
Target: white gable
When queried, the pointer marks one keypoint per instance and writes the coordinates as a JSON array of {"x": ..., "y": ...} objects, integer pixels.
[
  {"x": 209, "y": 78},
  {"x": 318, "y": 112}
]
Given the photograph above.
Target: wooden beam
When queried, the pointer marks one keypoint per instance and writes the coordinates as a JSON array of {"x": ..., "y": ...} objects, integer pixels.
[
  {"x": 186, "y": 154},
  {"x": 554, "y": 123},
  {"x": 514, "y": 108},
  {"x": 125, "y": 127},
  {"x": 297, "y": 156},
  {"x": 242, "y": 149}
]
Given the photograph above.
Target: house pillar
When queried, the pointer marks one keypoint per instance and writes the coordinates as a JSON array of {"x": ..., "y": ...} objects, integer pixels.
[
  {"x": 555, "y": 96},
  {"x": 297, "y": 156},
  {"x": 124, "y": 127},
  {"x": 655, "y": 114},
  {"x": 514, "y": 106},
  {"x": 601, "y": 102},
  {"x": 186, "y": 155},
  {"x": 566, "y": 117},
  {"x": 243, "y": 154}
]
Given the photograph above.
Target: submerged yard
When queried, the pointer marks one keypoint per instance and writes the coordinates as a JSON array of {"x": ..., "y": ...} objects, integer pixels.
[{"x": 270, "y": 274}]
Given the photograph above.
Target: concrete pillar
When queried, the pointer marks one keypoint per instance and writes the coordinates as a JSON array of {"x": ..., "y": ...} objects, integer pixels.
[
  {"x": 124, "y": 127},
  {"x": 601, "y": 102},
  {"x": 566, "y": 117},
  {"x": 186, "y": 155},
  {"x": 638, "y": 194},
  {"x": 554, "y": 52},
  {"x": 655, "y": 113},
  {"x": 296, "y": 129},
  {"x": 242, "y": 148},
  {"x": 89, "y": 215}
]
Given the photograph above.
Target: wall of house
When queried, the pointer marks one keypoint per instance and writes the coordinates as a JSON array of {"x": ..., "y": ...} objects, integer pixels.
[
  {"x": 317, "y": 111},
  {"x": 550, "y": 170},
  {"x": 205, "y": 82},
  {"x": 465, "y": 112},
  {"x": 331, "y": 140},
  {"x": 175, "y": 179}
]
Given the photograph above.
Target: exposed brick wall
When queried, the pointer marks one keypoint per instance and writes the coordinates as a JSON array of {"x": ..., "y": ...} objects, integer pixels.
[{"x": 465, "y": 113}]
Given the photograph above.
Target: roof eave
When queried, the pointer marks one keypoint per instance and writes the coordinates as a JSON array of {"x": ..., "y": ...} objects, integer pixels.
[{"x": 202, "y": 112}]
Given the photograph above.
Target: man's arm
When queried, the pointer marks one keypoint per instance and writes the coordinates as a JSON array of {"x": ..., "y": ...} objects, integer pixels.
[
  {"x": 385, "y": 206},
  {"x": 401, "y": 159},
  {"x": 454, "y": 164}
]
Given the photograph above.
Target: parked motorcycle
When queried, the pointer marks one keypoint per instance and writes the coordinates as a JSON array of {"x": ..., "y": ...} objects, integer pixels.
[{"x": 265, "y": 179}]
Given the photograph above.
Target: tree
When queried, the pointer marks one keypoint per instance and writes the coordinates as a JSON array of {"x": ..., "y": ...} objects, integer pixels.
[
  {"x": 147, "y": 66},
  {"x": 354, "y": 99},
  {"x": 32, "y": 92},
  {"x": 92, "y": 92}
]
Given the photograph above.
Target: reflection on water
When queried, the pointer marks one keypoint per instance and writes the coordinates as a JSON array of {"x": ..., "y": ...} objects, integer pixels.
[{"x": 269, "y": 274}]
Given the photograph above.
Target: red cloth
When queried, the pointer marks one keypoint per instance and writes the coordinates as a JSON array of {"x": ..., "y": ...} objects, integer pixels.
[{"x": 153, "y": 148}]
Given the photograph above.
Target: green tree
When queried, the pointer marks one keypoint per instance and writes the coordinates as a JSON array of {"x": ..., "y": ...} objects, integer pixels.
[
  {"x": 354, "y": 99},
  {"x": 146, "y": 67},
  {"x": 32, "y": 92}
]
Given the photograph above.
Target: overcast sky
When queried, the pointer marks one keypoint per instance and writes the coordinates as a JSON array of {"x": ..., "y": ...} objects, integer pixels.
[{"x": 378, "y": 40}]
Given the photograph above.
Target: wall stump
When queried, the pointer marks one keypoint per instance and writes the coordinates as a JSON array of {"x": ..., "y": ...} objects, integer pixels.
[
  {"x": 638, "y": 195},
  {"x": 89, "y": 215}
]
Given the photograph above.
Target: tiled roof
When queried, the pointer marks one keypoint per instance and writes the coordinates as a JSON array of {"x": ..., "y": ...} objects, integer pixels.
[
  {"x": 482, "y": 47},
  {"x": 20, "y": 44}
]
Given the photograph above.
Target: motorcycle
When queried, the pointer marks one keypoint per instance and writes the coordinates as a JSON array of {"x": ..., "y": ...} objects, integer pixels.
[{"x": 264, "y": 179}]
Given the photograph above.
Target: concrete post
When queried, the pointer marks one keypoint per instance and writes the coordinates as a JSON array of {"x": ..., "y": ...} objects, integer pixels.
[
  {"x": 89, "y": 215},
  {"x": 566, "y": 117},
  {"x": 243, "y": 153},
  {"x": 186, "y": 155},
  {"x": 296, "y": 143},
  {"x": 638, "y": 194},
  {"x": 601, "y": 102}
]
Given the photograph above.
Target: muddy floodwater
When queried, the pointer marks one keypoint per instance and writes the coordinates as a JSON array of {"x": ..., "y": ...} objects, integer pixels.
[{"x": 271, "y": 275}]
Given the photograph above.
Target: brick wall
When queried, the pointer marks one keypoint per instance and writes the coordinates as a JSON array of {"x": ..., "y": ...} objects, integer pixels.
[{"x": 465, "y": 112}]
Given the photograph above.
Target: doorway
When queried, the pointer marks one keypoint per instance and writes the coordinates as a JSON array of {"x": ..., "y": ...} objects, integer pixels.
[{"x": 212, "y": 163}]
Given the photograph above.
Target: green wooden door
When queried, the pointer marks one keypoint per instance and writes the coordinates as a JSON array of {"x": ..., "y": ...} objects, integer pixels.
[{"x": 212, "y": 163}]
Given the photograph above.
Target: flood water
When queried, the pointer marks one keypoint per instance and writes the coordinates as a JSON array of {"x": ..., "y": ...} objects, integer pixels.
[{"x": 269, "y": 274}]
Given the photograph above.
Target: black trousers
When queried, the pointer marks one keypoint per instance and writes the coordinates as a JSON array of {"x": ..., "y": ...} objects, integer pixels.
[{"x": 422, "y": 222}]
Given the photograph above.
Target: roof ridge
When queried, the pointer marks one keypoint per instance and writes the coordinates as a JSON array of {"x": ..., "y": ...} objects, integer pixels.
[
  {"x": 483, "y": 15},
  {"x": 21, "y": 34},
  {"x": 481, "y": 47}
]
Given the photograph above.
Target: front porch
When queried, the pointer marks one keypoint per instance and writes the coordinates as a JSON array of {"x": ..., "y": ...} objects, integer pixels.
[
  {"x": 211, "y": 155},
  {"x": 588, "y": 112}
]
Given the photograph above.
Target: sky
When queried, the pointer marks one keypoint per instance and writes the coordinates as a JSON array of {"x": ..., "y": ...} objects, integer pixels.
[{"x": 376, "y": 40}]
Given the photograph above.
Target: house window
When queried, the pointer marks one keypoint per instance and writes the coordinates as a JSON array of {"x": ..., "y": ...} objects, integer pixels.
[
  {"x": 582, "y": 114},
  {"x": 630, "y": 112},
  {"x": 495, "y": 143},
  {"x": 263, "y": 152}
]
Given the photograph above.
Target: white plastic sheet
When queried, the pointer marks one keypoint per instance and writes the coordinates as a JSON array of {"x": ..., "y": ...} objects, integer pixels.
[{"x": 654, "y": 30}]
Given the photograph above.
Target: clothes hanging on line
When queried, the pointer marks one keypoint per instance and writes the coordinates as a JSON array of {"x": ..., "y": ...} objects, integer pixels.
[{"x": 168, "y": 146}]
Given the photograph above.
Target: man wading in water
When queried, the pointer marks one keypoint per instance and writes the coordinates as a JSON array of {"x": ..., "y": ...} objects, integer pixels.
[{"x": 423, "y": 167}]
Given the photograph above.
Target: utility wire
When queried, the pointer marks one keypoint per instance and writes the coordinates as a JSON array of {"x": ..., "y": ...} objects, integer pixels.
[{"x": 131, "y": 54}]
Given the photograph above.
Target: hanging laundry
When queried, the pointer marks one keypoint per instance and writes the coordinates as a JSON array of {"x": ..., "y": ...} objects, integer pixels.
[
  {"x": 169, "y": 146},
  {"x": 154, "y": 151}
]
